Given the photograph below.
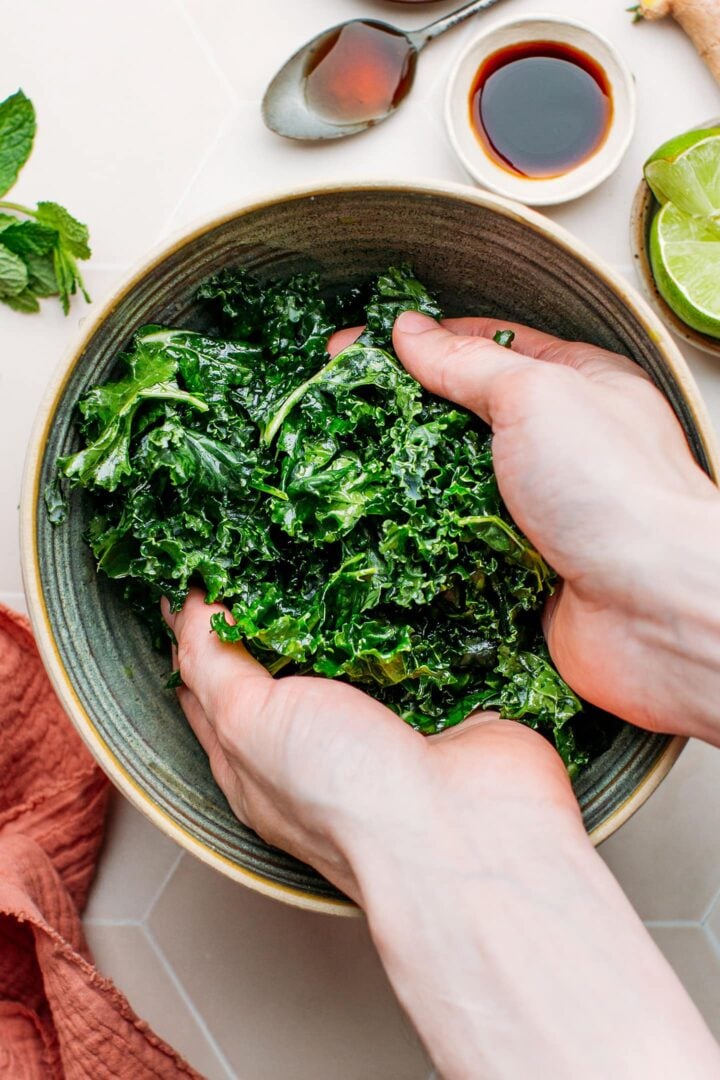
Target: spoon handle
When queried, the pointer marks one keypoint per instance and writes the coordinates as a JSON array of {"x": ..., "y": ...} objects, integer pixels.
[{"x": 420, "y": 37}]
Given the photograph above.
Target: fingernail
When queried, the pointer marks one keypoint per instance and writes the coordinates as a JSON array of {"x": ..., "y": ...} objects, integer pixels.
[
  {"x": 414, "y": 322},
  {"x": 166, "y": 612}
]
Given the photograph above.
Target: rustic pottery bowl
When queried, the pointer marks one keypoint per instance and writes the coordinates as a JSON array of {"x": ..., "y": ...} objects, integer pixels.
[
  {"x": 483, "y": 255},
  {"x": 641, "y": 216}
]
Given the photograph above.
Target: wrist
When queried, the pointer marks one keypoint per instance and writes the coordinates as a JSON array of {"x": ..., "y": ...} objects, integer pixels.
[
  {"x": 445, "y": 906},
  {"x": 511, "y": 923},
  {"x": 677, "y": 615}
]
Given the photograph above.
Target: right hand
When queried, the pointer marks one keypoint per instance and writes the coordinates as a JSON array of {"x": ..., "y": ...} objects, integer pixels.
[{"x": 595, "y": 469}]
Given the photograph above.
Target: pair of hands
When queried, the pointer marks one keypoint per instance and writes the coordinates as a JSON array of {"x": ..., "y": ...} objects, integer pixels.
[{"x": 595, "y": 469}]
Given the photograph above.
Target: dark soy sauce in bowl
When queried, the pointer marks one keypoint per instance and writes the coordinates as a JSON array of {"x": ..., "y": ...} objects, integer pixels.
[{"x": 540, "y": 108}]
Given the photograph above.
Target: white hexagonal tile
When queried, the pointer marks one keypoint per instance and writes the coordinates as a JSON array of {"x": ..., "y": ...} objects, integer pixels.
[
  {"x": 249, "y": 49},
  {"x": 127, "y": 105},
  {"x": 139, "y": 971},
  {"x": 696, "y": 961},
  {"x": 14, "y": 600},
  {"x": 286, "y": 993},
  {"x": 250, "y": 161},
  {"x": 712, "y": 920},
  {"x": 667, "y": 857},
  {"x": 135, "y": 862}
]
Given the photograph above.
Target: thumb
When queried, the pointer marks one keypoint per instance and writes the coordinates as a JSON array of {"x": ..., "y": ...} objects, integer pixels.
[
  {"x": 217, "y": 673},
  {"x": 461, "y": 368}
]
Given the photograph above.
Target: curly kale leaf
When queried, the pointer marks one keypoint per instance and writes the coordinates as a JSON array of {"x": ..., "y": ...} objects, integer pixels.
[
  {"x": 350, "y": 520},
  {"x": 393, "y": 292}
]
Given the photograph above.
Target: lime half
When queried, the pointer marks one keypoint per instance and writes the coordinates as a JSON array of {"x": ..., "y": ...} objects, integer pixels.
[
  {"x": 686, "y": 171},
  {"x": 685, "y": 260}
]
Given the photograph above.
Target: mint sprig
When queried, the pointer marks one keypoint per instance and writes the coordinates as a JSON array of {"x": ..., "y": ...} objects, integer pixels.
[{"x": 39, "y": 248}]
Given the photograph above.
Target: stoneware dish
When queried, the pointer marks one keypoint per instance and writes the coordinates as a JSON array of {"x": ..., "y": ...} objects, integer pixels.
[
  {"x": 482, "y": 255},
  {"x": 641, "y": 215},
  {"x": 589, "y": 173}
]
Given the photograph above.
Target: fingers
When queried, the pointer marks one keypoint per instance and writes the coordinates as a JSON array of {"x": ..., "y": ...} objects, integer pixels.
[
  {"x": 342, "y": 338},
  {"x": 460, "y": 368},
  {"x": 198, "y": 721},
  {"x": 460, "y": 731},
  {"x": 540, "y": 346},
  {"x": 528, "y": 341},
  {"x": 213, "y": 671}
]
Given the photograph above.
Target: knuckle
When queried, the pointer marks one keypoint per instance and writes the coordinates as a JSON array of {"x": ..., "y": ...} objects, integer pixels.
[
  {"x": 188, "y": 657},
  {"x": 244, "y": 710},
  {"x": 457, "y": 352},
  {"x": 461, "y": 347}
]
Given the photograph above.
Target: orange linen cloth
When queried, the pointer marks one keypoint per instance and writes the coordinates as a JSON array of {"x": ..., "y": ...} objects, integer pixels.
[{"x": 59, "y": 1018}]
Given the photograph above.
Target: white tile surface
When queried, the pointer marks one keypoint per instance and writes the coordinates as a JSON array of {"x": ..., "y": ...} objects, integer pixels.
[
  {"x": 140, "y": 864},
  {"x": 149, "y": 117},
  {"x": 140, "y": 971},
  {"x": 127, "y": 103},
  {"x": 309, "y": 998},
  {"x": 694, "y": 956},
  {"x": 667, "y": 856}
]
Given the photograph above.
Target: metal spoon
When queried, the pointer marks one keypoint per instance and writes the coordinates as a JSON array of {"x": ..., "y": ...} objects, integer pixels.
[{"x": 291, "y": 110}]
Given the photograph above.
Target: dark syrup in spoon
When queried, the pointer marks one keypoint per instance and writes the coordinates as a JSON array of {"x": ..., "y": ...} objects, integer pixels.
[{"x": 359, "y": 72}]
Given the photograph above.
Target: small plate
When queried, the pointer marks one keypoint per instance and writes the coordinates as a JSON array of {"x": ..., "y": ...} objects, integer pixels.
[{"x": 589, "y": 173}]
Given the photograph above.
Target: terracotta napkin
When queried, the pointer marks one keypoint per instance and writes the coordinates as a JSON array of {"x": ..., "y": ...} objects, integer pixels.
[{"x": 59, "y": 1018}]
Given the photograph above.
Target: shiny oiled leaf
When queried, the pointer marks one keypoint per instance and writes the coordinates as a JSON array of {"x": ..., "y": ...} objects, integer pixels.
[{"x": 350, "y": 520}]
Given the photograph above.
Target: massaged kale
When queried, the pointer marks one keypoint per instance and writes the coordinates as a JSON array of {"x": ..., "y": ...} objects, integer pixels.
[{"x": 351, "y": 520}]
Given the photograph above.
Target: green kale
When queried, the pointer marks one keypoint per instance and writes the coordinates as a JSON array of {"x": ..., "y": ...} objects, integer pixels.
[
  {"x": 39, "y": 250},
  {"x": 350, "y": 520}
]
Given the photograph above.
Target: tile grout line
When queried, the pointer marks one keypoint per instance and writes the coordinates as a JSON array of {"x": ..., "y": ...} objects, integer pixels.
[
  {"x": 159, "y": 891},
  {"x": 709, "y": 910},
  {"x": 207, "y": 50},
  {"x": 712, "y": 941},
  {"x": 98, "y": 920},
  {"x": 170, "y": 224},
  {"x": 185, "y": 996},
  {"x": 672, "y": 924}
]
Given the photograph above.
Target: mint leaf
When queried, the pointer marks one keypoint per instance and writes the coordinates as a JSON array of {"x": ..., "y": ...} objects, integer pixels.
[
  {"x": 69, "y": 279},
  {"x": 28, "y": 237},
  {"x": 17, "y": 131},
  {"x": 41, "y": 274},
  {"x": 25, "y": 301},
  {"x": 13, "y": 273},
  {"x": 74, "y": 235},
  {"x": 39, "y": 249}
]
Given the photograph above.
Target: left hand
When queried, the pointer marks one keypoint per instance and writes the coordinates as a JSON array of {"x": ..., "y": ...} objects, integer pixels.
[
  {"x": 489, "y": 908},
  {"x": 330, "y": 775}
]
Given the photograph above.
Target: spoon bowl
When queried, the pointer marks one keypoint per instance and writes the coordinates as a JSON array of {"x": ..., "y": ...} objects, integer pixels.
[
  {"x": 350, "y": 77},
  {"x": 291, "y": 109}
]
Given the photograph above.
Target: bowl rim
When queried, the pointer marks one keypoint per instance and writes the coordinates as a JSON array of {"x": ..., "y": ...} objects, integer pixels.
[
  {"x": 642, "y": 213},
  {"x": 31, "y": 495},
  {"x": 554, "y": 190}
]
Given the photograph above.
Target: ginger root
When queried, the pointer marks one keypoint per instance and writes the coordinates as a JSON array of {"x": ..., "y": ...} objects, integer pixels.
[{"x": 700, "y": 19}]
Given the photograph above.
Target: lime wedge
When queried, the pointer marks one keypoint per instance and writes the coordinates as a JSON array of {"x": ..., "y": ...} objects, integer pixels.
[
  {"x": 685, "y": 260},
  {"x": 686, "y": 172}
]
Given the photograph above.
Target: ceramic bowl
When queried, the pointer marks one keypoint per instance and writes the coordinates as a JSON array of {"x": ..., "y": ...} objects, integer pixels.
[
  {"x": 643, "y": 210},
  {"x": 483, "y": 255},
  {"x": 589, "y": 173}
]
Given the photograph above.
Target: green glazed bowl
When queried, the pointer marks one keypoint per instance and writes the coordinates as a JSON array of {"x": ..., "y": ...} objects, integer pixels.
[{"x": 483, "y": 255}]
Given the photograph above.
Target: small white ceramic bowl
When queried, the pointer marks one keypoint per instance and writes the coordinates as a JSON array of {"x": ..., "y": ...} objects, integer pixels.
[{"x": 586, "y": 175}]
